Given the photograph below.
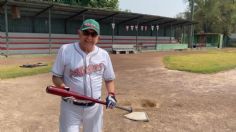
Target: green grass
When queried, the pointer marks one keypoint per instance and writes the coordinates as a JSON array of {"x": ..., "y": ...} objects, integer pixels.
[
  {"x": 211, "y": 62},
  {"x": 14, "y": 71}
]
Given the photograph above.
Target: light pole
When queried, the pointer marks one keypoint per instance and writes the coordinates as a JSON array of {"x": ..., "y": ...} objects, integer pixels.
[
  {"x": 191, "y": 26},
  {"x": 50, "y": 30},
  {"x": 6, "y": 27},
  {"x": 157, "y": 28},
  {"x": 152, "y": 28},
  {"x": 136, "y": 28},
  {"x": 113, "y": 28}
]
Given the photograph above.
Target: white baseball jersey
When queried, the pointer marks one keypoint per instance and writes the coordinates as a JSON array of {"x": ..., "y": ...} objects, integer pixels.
[{"x": 82, "y": 72}]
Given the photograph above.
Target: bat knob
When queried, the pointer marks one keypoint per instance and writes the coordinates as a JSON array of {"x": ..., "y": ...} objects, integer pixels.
[
  {"x": 47, "y": 89},
  {"x": 67, "y": 88},
  {"x": 131, "y": 110}
]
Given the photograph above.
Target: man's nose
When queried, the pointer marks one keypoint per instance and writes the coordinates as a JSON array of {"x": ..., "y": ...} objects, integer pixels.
[{"x": 89, "y": 37}]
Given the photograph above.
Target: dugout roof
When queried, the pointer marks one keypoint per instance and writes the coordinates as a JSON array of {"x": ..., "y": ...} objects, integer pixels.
[{"x": 36, "y": 8}]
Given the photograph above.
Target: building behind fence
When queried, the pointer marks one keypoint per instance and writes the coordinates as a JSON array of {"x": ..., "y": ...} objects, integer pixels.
[{"x": 28, "y": 26}]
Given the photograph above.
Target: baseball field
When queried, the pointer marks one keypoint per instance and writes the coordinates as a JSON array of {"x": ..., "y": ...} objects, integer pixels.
[{"x": 175, "y": 101}]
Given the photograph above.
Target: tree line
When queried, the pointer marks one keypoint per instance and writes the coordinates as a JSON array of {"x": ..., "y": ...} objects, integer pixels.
[
  {"x": 108, "y": 4},
  {"x": 213, "y": 16}
]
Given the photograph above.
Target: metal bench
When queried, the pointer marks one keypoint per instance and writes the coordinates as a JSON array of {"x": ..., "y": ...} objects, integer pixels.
[{"x": 123, "y": 48}]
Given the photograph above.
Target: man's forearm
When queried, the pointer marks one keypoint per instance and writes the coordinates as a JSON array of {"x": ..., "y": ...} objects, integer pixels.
[
  {"x": 58, "y": 81},
  {"x": 110, "y": 85}
]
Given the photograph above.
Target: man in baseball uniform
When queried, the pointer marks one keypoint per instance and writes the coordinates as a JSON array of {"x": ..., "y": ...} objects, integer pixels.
[{"x": 81, "y": 67}]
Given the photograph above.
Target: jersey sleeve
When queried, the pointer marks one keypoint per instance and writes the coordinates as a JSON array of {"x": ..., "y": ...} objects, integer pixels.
[
  {"x": 59, "y": 64},
  {"x": 108, "y": 71}
]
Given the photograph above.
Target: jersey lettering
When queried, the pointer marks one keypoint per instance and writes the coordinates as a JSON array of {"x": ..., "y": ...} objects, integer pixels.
[{"x": 81, "y": 71}]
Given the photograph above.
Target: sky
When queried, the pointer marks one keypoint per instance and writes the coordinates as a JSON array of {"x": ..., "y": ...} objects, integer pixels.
[{"x": 166, "y": 8}]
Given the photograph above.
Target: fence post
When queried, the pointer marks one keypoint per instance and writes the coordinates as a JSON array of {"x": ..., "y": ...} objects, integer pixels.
[
  {"x": 6, "y": 28},
  {"x": 49, "y": 30}
]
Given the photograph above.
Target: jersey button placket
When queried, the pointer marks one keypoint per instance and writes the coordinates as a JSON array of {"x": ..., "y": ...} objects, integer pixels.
[{"x": 87, "y": 75}]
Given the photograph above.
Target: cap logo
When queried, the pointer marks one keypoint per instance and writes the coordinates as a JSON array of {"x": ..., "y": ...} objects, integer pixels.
[{"x": 90, "y": 25}]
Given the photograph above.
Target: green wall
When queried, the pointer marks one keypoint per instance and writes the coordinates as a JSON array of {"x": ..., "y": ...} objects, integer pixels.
[{"x": 25, "y": 24}]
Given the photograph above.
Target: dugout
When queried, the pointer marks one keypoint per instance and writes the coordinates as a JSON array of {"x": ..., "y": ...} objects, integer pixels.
[
  {"x": 39, "y": 25},
  {"x": 210, "y": 40},
  {"x": 231, "y": 40}
]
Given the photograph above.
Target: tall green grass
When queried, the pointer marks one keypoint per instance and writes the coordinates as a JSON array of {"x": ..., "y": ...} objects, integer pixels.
[
  {"x": 14, "y": 71},
  {"x": 211, "y": 62}
]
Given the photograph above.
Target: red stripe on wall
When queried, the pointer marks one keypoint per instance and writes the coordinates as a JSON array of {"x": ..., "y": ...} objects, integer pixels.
[
  {"x": 34, "y": 43},
  {"x": 32, "y": 48},
  {"x": 46, "y": 48},
  {"x": 40, "y": 38},
  {"x": 154, "y": 39},
  {"x": 3, "y": 48},
  {"x": 162, "y": 42},
  {"x": 77, "y": 38},
  {"x": 105, "y": 46}
]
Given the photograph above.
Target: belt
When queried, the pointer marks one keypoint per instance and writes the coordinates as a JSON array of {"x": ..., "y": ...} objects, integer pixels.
[{"x": 78, "y": 103}]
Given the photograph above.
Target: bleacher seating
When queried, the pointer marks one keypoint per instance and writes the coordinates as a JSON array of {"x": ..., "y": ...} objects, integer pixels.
[{"x": 122, "y": 48}]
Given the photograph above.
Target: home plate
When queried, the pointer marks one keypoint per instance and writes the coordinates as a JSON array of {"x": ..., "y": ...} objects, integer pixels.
[{"x": 137, "y": 116}]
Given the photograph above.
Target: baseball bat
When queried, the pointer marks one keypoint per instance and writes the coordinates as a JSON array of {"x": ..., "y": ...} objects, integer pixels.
[{"x": 64, "y": 93}]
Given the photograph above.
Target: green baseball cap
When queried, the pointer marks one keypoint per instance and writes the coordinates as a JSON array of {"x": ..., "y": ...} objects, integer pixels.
[{"x": 90, "y": 24}]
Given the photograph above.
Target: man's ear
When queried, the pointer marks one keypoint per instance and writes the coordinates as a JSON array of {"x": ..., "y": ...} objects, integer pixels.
[
  {"x": 79, "y": 32},
  {"x": 99, "y": 37}
]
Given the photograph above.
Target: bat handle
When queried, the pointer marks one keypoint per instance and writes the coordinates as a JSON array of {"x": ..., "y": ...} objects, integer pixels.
[{"x": 124, "y": 108}]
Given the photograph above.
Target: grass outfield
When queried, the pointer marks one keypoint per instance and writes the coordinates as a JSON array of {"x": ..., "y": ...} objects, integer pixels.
[
  {"x": 211, "y": 62},
  {"x": 14, "y": 71}
]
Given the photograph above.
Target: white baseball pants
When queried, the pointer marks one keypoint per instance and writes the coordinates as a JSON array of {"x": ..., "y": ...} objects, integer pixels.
[{"x": 73, "y": 116}]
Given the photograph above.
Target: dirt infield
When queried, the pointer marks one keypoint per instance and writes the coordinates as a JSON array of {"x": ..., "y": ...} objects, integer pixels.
[{"x": 175, "y": 101}]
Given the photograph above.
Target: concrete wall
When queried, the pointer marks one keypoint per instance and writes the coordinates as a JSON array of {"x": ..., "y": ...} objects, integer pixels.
[
  {"x": 167, "y": 47},
  {"x": 38, "y": 43}
]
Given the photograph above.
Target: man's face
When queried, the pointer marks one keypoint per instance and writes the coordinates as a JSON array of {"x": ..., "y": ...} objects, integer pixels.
[{"x": 88, "y": 37}]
